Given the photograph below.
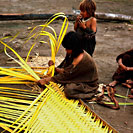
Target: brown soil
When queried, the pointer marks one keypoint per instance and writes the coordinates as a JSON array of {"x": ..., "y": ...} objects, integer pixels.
[{"x": 112, "y": 39}]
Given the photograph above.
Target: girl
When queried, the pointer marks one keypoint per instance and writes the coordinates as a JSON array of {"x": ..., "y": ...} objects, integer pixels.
[
  {"x": 80, "y": 82},
  {"x": 86, "y": 25}
]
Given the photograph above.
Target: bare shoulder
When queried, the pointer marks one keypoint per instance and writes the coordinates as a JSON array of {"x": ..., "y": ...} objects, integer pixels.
[
  {"x": 94, "y": 24},
  {"x": 93, "y": 20}
]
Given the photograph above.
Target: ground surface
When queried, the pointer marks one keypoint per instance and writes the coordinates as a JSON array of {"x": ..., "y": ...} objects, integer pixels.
[{"x": 112, "y": 39}]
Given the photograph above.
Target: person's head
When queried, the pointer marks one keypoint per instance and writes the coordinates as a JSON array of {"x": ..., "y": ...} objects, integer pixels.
[
  {"x": 72, "y": 43},
  {"x": 87, "y": 8}
]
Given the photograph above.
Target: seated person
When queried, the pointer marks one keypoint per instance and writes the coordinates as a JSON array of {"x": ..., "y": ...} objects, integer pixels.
[
  {"x": 77, "y": 72},
  {"x": 124, "y": 72}
]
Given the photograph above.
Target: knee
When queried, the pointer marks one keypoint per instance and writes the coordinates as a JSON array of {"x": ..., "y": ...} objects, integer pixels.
[{"x": 68, "y": 90}]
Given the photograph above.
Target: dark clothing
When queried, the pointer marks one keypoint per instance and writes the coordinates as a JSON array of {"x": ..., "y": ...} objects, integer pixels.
[
  {"x": 66, "y": 62},
  {"x": 127, "y": 60},
  {"x": 88, "y": 39},
  {"x": 79, "y": 81}
]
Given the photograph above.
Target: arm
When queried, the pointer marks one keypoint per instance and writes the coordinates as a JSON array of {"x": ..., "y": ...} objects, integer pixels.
[
  {"x": 78, "y": 20},
  {"x": 120, "y": 63},
  {"x": 43, "y": 81},
  {"x": 57, "y": 70},
  {"x": 46, "y": 79},
  {"x": 94, "y": 24},
  {"x": 75, "y": 25},
  {"x": 129, "y": 68},
  {"x": 89, "y": 27},
  {"x": 123, "y": 67}
]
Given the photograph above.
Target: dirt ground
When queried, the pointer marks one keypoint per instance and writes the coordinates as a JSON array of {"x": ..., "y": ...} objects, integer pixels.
[{"x": 112, "y": 39}]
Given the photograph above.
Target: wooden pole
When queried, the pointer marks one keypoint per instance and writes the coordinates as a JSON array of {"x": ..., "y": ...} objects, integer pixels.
[
  {"x": 114, "y": 17},
  {"x": 71, "y": 17}
]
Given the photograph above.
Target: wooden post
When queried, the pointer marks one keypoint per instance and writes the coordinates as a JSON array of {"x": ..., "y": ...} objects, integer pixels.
[{"x": 71, "y": 17}]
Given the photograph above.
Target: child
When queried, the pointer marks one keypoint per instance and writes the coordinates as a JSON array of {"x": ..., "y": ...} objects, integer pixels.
[
  {"x": 124, "y": 72},
  {"x": 86, "y": 25},
  {"x": 80, "y": 82},
  {"x": 125, "y": 68}
]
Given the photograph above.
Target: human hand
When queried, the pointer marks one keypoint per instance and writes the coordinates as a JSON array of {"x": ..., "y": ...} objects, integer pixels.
[
  {"x": 78, "y": 19},
  {"x": 82, "y": 25},
  {"x": 43, "y": 81},
  {"x": 129, "y": 81},
  {"x": 59, "y": 70},
  {"x": 50, "y": 63}
]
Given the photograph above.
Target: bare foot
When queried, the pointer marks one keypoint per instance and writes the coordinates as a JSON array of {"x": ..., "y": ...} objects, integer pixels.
[
  {"x": 130, "y": 96},
  {"x": 129, "y": 82},
  {"x": 132, "y": 91},
  {"x": 113, "y": 84},
  {"x": 126, "y": 85}
]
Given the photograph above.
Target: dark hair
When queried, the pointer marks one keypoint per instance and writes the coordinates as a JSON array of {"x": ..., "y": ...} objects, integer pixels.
[
  {"x": 72, "y": 41},
  {"x": 89, "y": 6}
]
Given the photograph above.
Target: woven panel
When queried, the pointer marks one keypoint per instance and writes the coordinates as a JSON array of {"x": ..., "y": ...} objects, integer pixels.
[{"x": 50, "y": 112}]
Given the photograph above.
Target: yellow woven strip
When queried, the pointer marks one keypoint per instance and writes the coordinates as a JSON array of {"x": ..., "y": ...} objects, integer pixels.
[
  {"x": 5, "y": 127},
  {"x": 22, "y": 91},
  {"x": 23, "y": 124},
  {"x": 23, "y": 64},
  {"x": 17, "y": 94},
  {"x": 56, "y": 113},
  {"x": 16, "y": 74},
  {"x": 11, "y": 78},
  {"x": 15, "y": 82},
  {"x": 18, "y": 107},
  {"x": 9, "y": 99},
  {"x": 62, "y": 115}
]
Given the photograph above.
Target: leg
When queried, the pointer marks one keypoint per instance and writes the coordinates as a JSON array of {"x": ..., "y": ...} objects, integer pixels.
[
  {"x": 119, "y": 77},
  {"x": 131, "y": 96},
  {"x": 132, "y": 91},
  {"x": 78, "y": 91},
  {"x": 129, "y": 82},
  {"x": 127, "y": 85}
]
